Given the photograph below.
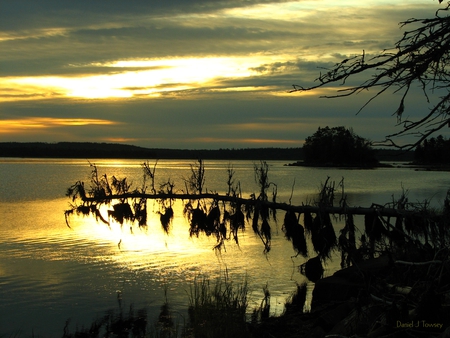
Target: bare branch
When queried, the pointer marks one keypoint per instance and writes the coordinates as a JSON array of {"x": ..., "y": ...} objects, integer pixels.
[{"x": 421, "y": 59}]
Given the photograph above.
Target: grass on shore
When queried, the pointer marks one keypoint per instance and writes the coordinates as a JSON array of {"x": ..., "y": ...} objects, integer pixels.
[{"x": 217, "y": 309}]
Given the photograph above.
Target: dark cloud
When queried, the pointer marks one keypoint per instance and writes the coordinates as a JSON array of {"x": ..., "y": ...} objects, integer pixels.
[
  {"x": 31, "y": 14},
  {"x": 64, "y": 52}
]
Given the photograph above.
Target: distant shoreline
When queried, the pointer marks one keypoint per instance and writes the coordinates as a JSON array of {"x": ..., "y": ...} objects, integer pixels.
[{"x": 88, "y": 150}]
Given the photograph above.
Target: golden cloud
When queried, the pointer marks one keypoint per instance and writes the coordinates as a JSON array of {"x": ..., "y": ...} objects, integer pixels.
[
  {"x": 139, "y": 78},
  {"x": 120, "y": 139},
  {"x": 33, "y": 123},
  {"x": 268, "y": 125}
]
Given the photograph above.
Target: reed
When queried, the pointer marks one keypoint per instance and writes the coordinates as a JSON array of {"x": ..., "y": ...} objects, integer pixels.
[{"x": 217, "y": 310}]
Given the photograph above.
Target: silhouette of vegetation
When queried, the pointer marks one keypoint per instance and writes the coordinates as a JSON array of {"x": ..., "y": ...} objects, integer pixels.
[
  {"x": 123, "y": 324},
  {"x": 338, "y": 146},
  {"x": 225, "y": 215},
  {"x": 217, "y": 309},
  {"x": 433, "y": 151},
  {"x": 409, "y": 240},
  {"x": 420, "y": 59}
]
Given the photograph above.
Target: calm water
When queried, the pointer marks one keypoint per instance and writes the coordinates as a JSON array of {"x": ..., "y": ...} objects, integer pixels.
[{"x": 50, "y": 273}]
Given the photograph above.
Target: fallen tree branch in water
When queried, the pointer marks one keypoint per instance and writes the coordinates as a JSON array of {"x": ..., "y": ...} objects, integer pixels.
[
  {"x": 225, "y": 215},
  {"x": 338, "y": 210}
]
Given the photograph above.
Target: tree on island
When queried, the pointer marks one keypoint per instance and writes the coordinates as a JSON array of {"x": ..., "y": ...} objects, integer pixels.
[
  {"x": 338, "y": 146},
  {"x": 420, "y": 59}
]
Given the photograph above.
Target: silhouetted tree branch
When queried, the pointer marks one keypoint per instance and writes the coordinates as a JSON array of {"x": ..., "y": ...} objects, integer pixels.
[{"x": 421, "y": 58}]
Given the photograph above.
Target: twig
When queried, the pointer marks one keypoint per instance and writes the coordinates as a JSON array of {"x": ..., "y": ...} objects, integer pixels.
[{"x": 419, "y": 263}]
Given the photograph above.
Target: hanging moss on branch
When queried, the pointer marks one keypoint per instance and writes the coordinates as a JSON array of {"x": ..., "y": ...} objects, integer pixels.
[{"x": 295, "y": 232}]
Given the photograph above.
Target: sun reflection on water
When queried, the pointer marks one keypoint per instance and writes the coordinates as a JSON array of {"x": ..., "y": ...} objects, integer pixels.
[{"x": 147, "y": 246}]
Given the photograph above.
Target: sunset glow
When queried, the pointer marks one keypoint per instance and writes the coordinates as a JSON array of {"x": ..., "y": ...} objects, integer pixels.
[{"x": 155, "y": 77}]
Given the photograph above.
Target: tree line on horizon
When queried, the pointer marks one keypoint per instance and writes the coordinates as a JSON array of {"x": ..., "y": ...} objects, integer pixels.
[
  {"x": 91, "y": 150},
  {"x": 116, "y": 150}
]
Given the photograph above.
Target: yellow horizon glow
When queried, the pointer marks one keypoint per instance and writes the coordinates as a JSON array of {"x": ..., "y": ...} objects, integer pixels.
[
  {"x": 119, "y": 139},
  {"x": 265, "y": 126},
  {"x": 15, "y": 125},
  {"x": 245, "y": 140}
]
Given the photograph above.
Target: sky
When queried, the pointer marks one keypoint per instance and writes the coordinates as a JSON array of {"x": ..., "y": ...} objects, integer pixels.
[{"x": 191, "y": 74}]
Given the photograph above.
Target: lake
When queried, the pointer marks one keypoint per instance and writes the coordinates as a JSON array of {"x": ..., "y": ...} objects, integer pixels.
[{"x": 50, "y": 273}]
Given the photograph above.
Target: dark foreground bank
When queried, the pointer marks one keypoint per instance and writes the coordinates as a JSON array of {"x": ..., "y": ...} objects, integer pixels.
[
  {"x": 364, "y": 300},
  {"x": 367, "y": 300}
]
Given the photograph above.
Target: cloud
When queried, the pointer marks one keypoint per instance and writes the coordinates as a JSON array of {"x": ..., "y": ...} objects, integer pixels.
[
  {"x": 262, "y": 142},
  {"x": 24, "y": 124},
  {"x": 181, "y": 72}
]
